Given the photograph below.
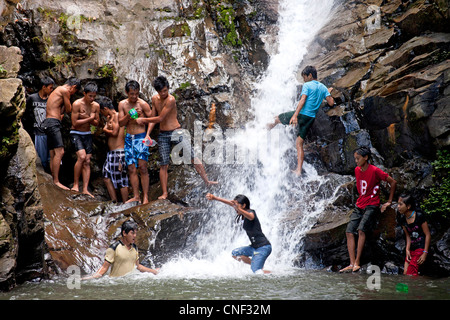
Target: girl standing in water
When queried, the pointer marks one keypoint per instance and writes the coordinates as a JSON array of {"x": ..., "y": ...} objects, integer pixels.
[
  {"x": 417, "y": 234},
  {"x": 260, "y": 248},
  {"x": 368, "y": 178}
]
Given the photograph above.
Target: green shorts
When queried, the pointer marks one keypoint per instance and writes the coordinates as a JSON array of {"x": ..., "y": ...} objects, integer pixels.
[
  {"x": 303, "y": 123},
  {"x": 362, "y": 219}
]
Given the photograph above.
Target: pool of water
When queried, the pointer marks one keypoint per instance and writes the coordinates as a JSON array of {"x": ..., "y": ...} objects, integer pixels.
[{"x": 294, "y": 284}]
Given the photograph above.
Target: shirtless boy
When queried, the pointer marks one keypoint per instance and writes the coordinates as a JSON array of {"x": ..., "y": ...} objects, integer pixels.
[
  {"x": 85, "y": 112},
  {"x": 165, "y": 106},
  {"x": 136, "y": 152},
  {"x": 58, "y": 103},
  {"x": 114, "y": 170}
]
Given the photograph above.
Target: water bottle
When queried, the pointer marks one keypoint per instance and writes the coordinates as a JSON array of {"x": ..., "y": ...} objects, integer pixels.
[
  {"x": 133, "y": 113},
  {"x": 401, "y": 287},
  {"x": 149, "y": 142}
]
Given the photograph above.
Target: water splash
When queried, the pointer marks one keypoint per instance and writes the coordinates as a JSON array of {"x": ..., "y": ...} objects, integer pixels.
[{"x": 286, "y": 206}]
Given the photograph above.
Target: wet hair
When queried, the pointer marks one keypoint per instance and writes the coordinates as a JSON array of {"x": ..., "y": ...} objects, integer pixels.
[
  {"x": 132, "y": 84},
  {"x": 310, "y": 70},
  {"x": 105, "y": 102},
  {"x": 409, "y": 200},
  {"x": 128, "y": 226},
  {"x": 90, "y": 87},
  {"x": 241, "y": 199},
  {"x": 363, "y": 151},
  {"x": 72, "y": 81},
  {"x": 46, "y": 81},
  {"x": 160, "y": 83}
]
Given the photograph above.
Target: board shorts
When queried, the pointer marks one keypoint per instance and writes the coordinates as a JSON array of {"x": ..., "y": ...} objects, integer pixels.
[
  {"x": 258, "y": 255},
  {"x": 115, "y": 168},
  {"x": 52, "y": 128},
  {"x": 362, "y": 219},
  {"x": 169, "y": 139},
  {"x": 81, "y": 140},
  {"x": 303, "y": 123},
  {"x": 135, "y": 149}
]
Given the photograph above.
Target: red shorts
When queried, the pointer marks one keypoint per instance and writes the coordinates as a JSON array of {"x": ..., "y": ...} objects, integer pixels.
[{"x": 413, "y": 267}]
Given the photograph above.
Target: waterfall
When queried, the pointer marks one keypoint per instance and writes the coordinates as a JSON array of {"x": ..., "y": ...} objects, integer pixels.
[{"x": 287, "y": 206}]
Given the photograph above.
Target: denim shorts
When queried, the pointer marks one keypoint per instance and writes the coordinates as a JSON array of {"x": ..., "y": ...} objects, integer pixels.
[{"x": 258, "y": 255}]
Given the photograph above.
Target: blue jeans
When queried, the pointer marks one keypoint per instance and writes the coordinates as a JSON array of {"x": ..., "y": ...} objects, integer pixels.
[
  {"x": 40, "y": 144},
  {"x": 258, "y": 255}
]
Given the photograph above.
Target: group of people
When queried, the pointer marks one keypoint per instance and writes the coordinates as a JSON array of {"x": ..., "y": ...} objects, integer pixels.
[
  {"x": 128, "y": 131},
  {"x": 129, "y": 154}
]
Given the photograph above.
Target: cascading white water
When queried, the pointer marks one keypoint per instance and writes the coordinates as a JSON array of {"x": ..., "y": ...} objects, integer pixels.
[{"x": 286, "y": 206}]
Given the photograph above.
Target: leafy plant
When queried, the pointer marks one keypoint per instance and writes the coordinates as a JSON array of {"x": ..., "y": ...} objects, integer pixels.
[{"x": 438, "y": 201}]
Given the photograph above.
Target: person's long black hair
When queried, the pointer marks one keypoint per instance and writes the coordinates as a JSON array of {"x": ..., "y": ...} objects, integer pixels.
[{"x": 241, "y": 199}]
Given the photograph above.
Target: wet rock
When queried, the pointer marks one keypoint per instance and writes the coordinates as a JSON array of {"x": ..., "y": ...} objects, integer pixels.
[
  {"x": 11, "y": 65},
  {"x": 22, "y": 210},
  {"x": 78, "y": 230}
]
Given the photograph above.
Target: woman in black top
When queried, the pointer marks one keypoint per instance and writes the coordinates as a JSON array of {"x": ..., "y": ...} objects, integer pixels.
[
  {"x": 260, "y": 248},
  {"x": 417, "y": 234}
]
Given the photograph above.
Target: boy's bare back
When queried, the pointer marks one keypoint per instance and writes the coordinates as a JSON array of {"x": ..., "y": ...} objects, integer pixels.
[{"x": 57, "y": 102}]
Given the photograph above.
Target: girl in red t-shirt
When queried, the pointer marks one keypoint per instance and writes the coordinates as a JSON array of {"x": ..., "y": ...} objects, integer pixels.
[{"x": 368, "y": 178}]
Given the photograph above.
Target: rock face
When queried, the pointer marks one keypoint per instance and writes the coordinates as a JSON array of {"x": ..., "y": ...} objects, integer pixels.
[
  {"x": 391, "y": 80},
  {"x": 21, "y": 224},
  {"x": 210, "y": 52},
  {"x": 389, "y": 64},
  {"x": 78, "y": 230}
]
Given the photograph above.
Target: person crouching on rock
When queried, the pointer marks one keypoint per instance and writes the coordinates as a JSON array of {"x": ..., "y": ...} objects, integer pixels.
[
  {"x": 260, "y": 248},
  {"x": 368, "y": 178},
  {"x": 417, "y": 234},
  {"x": 123, "y": 255}
]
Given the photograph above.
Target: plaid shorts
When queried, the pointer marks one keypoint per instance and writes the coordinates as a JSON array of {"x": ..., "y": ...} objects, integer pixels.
[
  {"x": 169, "y": 139},
  {"x": 115, "y": 168}
]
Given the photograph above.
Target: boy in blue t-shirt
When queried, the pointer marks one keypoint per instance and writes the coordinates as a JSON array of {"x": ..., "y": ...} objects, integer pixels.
[{"x": 313, "y": 93}]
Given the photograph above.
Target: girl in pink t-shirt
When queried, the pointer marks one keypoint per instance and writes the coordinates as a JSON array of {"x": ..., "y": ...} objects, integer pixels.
[{"x": 368, "y": 178}]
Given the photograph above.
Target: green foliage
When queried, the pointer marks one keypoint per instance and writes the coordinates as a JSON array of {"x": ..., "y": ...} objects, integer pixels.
[
  {"x": 107, "y": 71},
  {"x": 185, "y": 85},
  {"x": 438, "y": 201},
  {"x": 226, "y": 17}
]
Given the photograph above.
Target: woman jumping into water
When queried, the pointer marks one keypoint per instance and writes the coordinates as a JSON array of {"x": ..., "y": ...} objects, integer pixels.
[{"x": 260, "y": 248}]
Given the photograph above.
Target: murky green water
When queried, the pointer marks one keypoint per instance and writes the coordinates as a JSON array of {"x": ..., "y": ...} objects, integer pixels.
[{"x": 293, "y": 285}]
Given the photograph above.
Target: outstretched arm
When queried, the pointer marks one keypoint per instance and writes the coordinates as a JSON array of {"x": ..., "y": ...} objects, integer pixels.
[
  {"x": 238, "y": 207},
  {"x": 210, "y": 196},
  {"x": 171, "y": 104}
]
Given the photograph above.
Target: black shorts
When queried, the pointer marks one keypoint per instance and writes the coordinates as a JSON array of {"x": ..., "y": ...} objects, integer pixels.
[
  {"x": 81, "y": 141},
  {"x": 303, "y": 122},
  {"x": 52, "y": 128},
  {"x": 362, "y": 219}
]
